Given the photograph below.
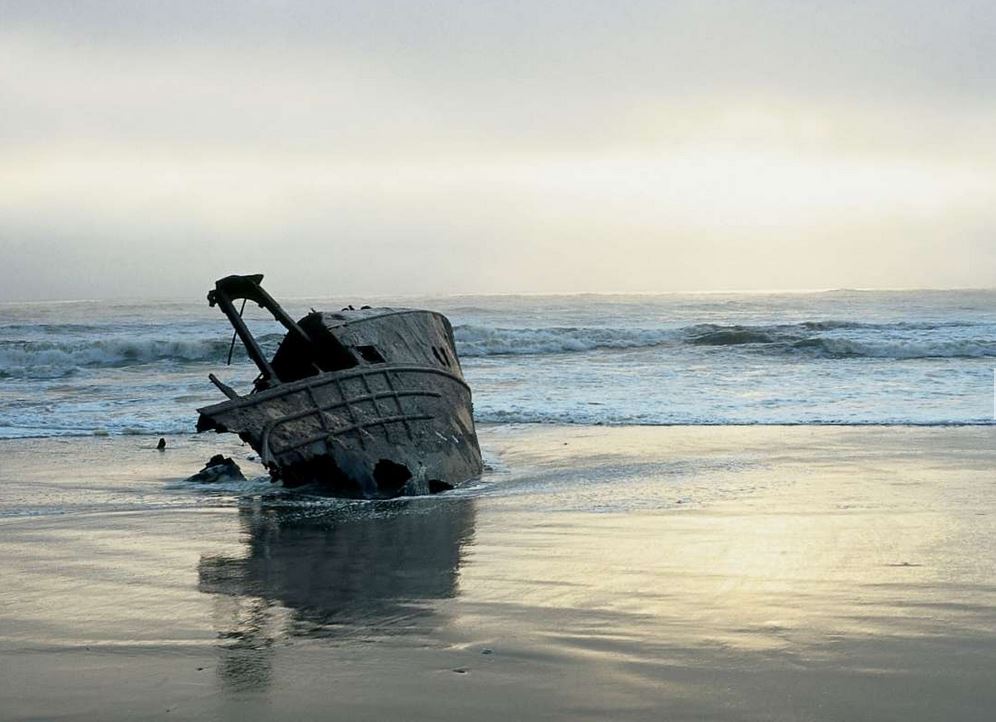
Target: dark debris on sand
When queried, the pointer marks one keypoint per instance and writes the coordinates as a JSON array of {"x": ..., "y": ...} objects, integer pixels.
[{"x": 218, "y": 468}]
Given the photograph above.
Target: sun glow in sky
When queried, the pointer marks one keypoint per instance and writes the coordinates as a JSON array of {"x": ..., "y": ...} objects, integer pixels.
[{"x": 477, "y": 147}]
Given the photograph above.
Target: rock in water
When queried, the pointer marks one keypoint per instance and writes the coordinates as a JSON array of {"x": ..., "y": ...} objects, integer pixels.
[{"x": 218, "y": 468}]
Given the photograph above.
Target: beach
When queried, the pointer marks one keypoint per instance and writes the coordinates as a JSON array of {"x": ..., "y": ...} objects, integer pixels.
[{"x": 667, "y": 572}]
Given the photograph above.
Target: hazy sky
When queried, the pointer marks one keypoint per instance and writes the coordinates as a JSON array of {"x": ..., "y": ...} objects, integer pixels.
[{"x": 371, "y": 147}]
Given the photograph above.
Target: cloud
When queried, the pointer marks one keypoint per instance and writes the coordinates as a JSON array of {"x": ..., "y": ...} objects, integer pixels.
[{"x": 563, "y": 146}]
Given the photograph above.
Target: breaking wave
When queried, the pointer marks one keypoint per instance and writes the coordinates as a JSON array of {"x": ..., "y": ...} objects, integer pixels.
[
  {"x": 51, "y": 358},
  {"x": 847, "y": 348},
  {"x": 41, "y": 359},
  {"x": 734, "y": 336},
  {"x": 802, "y": 339},
  {"x": 487, "y": 341}
]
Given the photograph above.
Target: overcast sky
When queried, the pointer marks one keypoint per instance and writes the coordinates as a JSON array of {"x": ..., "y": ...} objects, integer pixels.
[{"x": 367, "y": 147}]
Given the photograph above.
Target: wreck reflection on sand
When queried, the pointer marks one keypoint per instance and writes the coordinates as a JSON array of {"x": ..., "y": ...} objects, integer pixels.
[{"x": 362, "y": 570}]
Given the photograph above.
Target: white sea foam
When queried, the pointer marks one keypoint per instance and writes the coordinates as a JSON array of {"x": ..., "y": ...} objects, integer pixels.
[
  {"x": 902, "y": 349},
  {"x": 617, "y": 417},
  {"x": 51, "y": 358},
  {"x": 48, "y": 358},
  {"x": 799, "y": 339}
]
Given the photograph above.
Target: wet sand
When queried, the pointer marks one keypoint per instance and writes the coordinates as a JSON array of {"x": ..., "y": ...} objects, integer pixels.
[{"x": 768, "y": 573}]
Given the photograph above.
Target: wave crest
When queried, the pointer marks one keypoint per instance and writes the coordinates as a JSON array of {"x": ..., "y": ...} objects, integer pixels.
[
  {"x": 475, "y": 341},
  {"x": 43, "y": 359},
  {"x": 848, "y": 348},
  {"x": 53, "y": 357},
  {"x": 734, "y": 336},
  {"x": 823, "y": 339}
]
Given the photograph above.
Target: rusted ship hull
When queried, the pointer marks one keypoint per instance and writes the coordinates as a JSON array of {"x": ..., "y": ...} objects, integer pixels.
[
  {"x": 372, "y": 432},
  {"x": 367, "y": 402}
]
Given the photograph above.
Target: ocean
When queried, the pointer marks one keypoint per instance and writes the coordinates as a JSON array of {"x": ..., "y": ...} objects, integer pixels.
[{"x": 836, "y": 357}]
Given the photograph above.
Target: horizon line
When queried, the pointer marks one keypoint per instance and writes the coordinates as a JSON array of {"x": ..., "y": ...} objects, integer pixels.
[{"x": 534, "y": 294}]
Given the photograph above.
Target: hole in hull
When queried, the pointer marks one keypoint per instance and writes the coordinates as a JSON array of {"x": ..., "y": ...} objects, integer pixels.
[
  {"x": 322, "y": 471},
  {"x": 391, "y": 477}
]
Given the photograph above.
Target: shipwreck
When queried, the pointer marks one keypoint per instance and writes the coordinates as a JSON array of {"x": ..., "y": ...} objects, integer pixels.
[{"x": 367, "y": 403}]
